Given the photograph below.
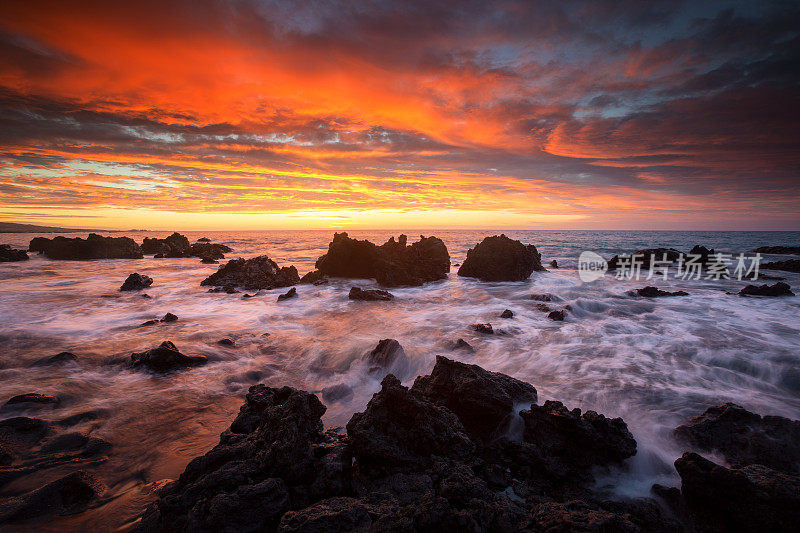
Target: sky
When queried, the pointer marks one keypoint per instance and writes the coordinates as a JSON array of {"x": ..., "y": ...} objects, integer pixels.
[{"x": 204, "y": 114}]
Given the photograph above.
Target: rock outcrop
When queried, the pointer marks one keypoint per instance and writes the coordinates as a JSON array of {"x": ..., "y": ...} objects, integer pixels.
[
  {"x": 164, "y": 358},
  {"x": 779, "y": 289},
  {"x": 253, "y": 274},
  {"x": 647, "y": 256},
  {"x": 790, "y": 265},
  {"x": 499, "y": 258},
  {"x": 93, "y": 247},
  {"x": 778, "y": 250},
  {"x": 136, "y": 282},
  {"x": 10, "y": 255},
  {"x": 373, "y": 295},
  {"x": 655, "y": 292},
  {"x": 177, "y": 245}
]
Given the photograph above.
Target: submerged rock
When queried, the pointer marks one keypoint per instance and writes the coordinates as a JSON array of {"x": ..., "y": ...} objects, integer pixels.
[
  {"x": 385, "y": 355},
  {"x": 337, "y": 392},
  {"x": 483, "y": 328},
  {"x": 71, "y": 494},
  {"x": 33, "y": 397},
  {"x": 779, "y": 289},
  {"x": 58, "y": 359},
  {"x": 460, "y": 345},
  {"x": 745, "y": 438},
  {"x": 554, "y": 263},
  {"x": 541, "y": 297},
  {"x": 501, "y": 259},
  {"x": 164, "y": 358},
  {"x": 169, "y": 317},
  {"x": 136, "y": 282},
  {"x": 508, "y": 313},
  {"x": 315, "y": 277},
  {"x": 93, "y": 247},
  {"x": 790, "y": 265},
  {"x": 9, "y": 254},
  {"x": 291, "y": 293},
  {"x": 655, "y": 292},
  {"x": 253, "y": 274},
  {"x": 226, "y": 342},
  {"x": 203, "y": 239},
  {"x": 646, "y": 257},
  {"x": 558, "y": 315},
  {"x": 227, "y": 289},
  {"x": 357, "y": 293}
]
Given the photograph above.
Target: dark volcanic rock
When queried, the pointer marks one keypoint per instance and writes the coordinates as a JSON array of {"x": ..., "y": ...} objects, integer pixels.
[
  {"x": 778, "y": 250},
  {"x": 501, "y": 259},
  {"x": 164, "y": 358},
  {"x": 209, "y": 252},
  {"x": 226, "y": 342},
  {"x": 291, "y": 293},
  {"x": 203, "y": 239},
  {"x": 58, "y": 359},
  {"x": 541, "y": 297},
  {"x": 647, "y": 256},
  {"x": 315, "y": 277},
  {"x": 227, "y": 289},
  {"x": 461, "y": 345},
  {"x": 745, "y": 438},
  {"x": 655, "y": 292},
  {"x": 9, "y": 254},
  {"x": 706, "y": 254},
  {"x": 558, "y": 315},
  {"x": 753, "y": 498},
  {"x": 253, "y": 274},
  {"x": 71, "y": 494},
  {"x": 357, "y": 293},
  {"x": 93, "y": 247},
  {"x": 209, "y": 261},
  {"x": 790, "y": 265},
  {"x": 573, "y": 441},
  {"x": 176, "y": 245},
  {"x": 508, "y": 313},
  {"x": 385, "y": 355},
  {"x": 136, "y": 282},
  {"x": 779, "y": 289},
  {"x": 392, "y": 264},
  {"x": 169, "y": 317},
  {"x": 33, "y": 397},
  {"x": 484, "y": 401},
  {"x": 483, "y": 328},
  {"x": 554, "y": 263}
]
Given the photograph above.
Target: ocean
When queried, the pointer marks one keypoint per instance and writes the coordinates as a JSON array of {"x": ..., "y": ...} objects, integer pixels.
[{"x": 653, "y": 362}]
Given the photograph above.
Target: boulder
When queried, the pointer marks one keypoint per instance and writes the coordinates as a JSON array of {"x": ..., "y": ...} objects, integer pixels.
[
  {"x": 554, "y": 263},
  {"x": 647, "y": 256},
  {"x": 557, "y": 315},
  {"x": 541, "y": 297},
  {"x": 253, "y": 274},
  {"x": 745, "y": 438},
  {"x": 508, "y": 313},
  {"x": 655, "y": 292},
  {"x": 209, "y": 252},
  {"x": 385, "y": 355},
  {"x": 460, "y": 345},
  {"x": 9, "y": 254},
  {"x": 779, "y": 289},
  {"x": 93, "y": 247},
  {"x": 501, "y": 259},
  {"x": 58, "y": 359},
  {"x": 164, "y": 358},
  {"x": 483, "y": 401},
  {"x": 169, "y": 317},
  {"x": 706, "y": 255},
  {"x": 753, "y": 498},
  {"x": 176, "y": 245},
  {"x": 357, "y": 293},
  {"x": 315, "y": 277},
  {"x": 790, "y": 265},
  {"x": 70, "y": 494},
  {"x": 291, "y": 293},
  {"x": 136, "y": 282},
  {"x": 203, "y": 239},
  {"x": 483, "y": 328},
  {"x": 778, "y": 250}
]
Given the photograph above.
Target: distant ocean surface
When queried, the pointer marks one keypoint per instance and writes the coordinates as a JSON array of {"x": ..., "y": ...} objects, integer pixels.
[{"x": 652, "y": 362}]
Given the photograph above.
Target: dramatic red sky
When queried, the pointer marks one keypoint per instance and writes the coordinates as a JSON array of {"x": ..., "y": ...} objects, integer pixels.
[{"x": 264, "y": 114}]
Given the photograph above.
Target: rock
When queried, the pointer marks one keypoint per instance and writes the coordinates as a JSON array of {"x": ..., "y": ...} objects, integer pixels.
[
  {"x": 541, "y": 297},
  {"x": 227, "y": 289},
  {"x": 203, "y": 239},
  {"x": 573, "y": 441},
  {"x": 93, "y": 247},
  {"x": 558, "y": 315},
  {"x": 461, "y": 345},
  {"x": 790, "y": 265},
  {"x": 58, "y": 359},
  {"x": 706, "y": 255},
  {"x": 136, "y": 282},
  {"x": 501, "y": 259},
  {"x": 342, "y": 514},
  {"x": 554, "y": 263},
  {"x": 146, "y": 296},
  {"x": 226, "y": 342},
  {"x": 253, "y": 274},
  {"x": 169, "y": 317},
  {"x": 22, "y": 431},
  {"x": 543, "y": 308},
  {"x": 779, "y": 289},
  {"x": 33, "y": 397},
  {"x": 483, "y": 401},
  {"x": 483, "y": 328},
  {"x": 392, "y": 264},
  {"x": 165, "y": 358},
  {"x": 655, "y": 292},
  {"x": 646, "y": 257},
  {"x": 9, "y": 254},
  {"x": 148, "y": 323},
  {"x": 176, "y": 245},
  {"x": 315, "y": 277},
  {"x": 745, "y": 438},
  {"x": 778, "y": 250},
  {"x": 400, "y": 428},
  {"x": 385, "y": 355},
  {"x": 71, "y": 494},
  {"x": 753, "y": 498},
  {"x": 508, "y": 313},
  {"x": 291, "y": 293},
  {"x": 208, "y": 252},
  {"x": 337, "y": 392},
  {"x": 209, "y": 261},
  {"x": 357, "y": 293}
]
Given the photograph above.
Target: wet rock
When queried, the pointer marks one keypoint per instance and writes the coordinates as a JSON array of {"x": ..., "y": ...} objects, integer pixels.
[
  {"x": 647, "y": 256},
  {"x": 543, "y": 308},
  {"x": 203, "y": 239},
  {"x": 227, "y": 289},
  {"x": 58, "y": 359},
  {"x": 71, "y": 494},
  {"x": 136, "y": 282},
  {"x": 778, "y": 250},
  {"x": 706, "y": 255},
  {"x": 745, "y": 438},
  {"x": 461, "y": 345},
  {"x": 93, "y": 247},
  {"x": 508, "y": 313},
  {"x": 9, "y": 254},
  {"x": 291, "y": 293},
  {"x": 483, "y": 328},
  {"x": 483, "y": 401},
  {"x": 209, "y": 261},
  {"x": 501, "y": 259},
  {"x": 148, "y": 323},
  {"x": 541, "y": 297},
  {"x": 226, "y": 342},
  {"x": 164, "y": 358},
  {"x": 573, "y": 441},
  {"x": 348, "y": 258},
  {"x": 33, "y": 397},
  {"x": 753, "y": 498},
  {"x": 655, "y": 292},
  {"x": 385, "y": 355},
  {"x": 176, "y": 245},
  {"x": 790, "y": 265},
  {"x": 337, "y": 392},
  {"x": 146, "y": 296},
  {"x": 253, "y": 274},
  {"x": 558, "y": 315},
  {"x": 169, "y": 317},
  {"x": 779, "y": 289},
  {"x": 315, "y": 277},
  {"x": 554, "y": 263},
  {"x": 209, "y": 252},
  {"x": 357, "y": 293}
]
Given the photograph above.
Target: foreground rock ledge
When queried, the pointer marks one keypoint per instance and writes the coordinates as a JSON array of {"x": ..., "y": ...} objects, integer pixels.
[{"x": 432, "y": 457}]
